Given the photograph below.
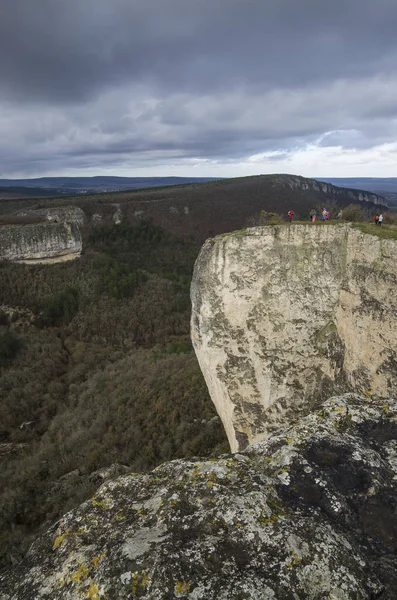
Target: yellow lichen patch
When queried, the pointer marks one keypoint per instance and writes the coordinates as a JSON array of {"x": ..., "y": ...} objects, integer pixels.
[
  {"x": 182, "y": 587},
  {"x": 295, "y": 560},
  {"x": 81, "y": 574},
  {"x": 100, "y": 503},
  {"x": 139, "y": 581},
  {"x": 95, "y": 561},
  {"x": 119, "y": 516},
  {"x": 59, "y": 539},
  {"x": 93, "y": 592}
]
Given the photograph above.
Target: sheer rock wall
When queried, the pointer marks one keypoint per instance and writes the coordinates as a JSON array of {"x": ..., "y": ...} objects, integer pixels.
[
  {"x": 40, "y": 242},
  {"x": 282, "y": 315}
]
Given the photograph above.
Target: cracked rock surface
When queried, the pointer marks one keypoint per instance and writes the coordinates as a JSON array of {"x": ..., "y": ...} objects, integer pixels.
[
  {"x": 310, "y": 514},
  {"x": 284, "y": 316}
]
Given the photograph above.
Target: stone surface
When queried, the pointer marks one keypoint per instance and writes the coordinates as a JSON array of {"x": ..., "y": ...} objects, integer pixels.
[
  {"x": 282, "y": 316},
  {"x": 56, "y": 214},
  {"x": 310, "y": 514},
  {"x": 41, "y": 242}
]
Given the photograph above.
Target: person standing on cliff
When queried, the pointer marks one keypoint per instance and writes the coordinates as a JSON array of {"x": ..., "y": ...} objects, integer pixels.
[
  {"x": 380, "y": 219},
  {"x": 290, "y": 215},
  {"x": 376, "y": 219}
]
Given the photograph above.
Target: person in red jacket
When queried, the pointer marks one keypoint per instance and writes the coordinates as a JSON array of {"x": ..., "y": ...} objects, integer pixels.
[{"x": 290, "y": 215}]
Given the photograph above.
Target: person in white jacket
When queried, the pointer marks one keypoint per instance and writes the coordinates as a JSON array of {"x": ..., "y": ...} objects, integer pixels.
[{"x": 380, "y": 219}]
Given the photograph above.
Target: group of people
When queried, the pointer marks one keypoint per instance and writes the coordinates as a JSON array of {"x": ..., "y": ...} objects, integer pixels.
[
  {"x": 312, "y": 215},
  {"x": 378, "y": 219},
  {"x": 324, "y": 215}
]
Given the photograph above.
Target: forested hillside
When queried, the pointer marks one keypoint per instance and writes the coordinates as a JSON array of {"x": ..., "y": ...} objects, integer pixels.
[{"x": 96, "y": 368}]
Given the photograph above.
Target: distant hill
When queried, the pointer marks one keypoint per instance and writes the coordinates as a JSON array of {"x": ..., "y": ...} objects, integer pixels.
[
  {"x": 208, "y": 208},
  {"x": 385, "y": 186},
  {"x": 60, "y": 186},
  {"x": 24, "y": 192}
]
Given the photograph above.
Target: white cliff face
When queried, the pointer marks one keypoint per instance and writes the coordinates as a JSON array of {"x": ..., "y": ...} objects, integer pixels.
[
  {"x": 283, "y": 315},
  {"x": 41, "y": 242}
]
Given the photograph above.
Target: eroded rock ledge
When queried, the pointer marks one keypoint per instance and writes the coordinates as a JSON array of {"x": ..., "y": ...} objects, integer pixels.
[
  {"x": 308, "y": 515},
  {"x": 285, "y": 315},
  {"x": 40, "y": 242}
]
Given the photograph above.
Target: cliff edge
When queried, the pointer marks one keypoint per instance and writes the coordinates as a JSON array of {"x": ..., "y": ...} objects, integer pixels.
[{"x": 283, "y": 316}]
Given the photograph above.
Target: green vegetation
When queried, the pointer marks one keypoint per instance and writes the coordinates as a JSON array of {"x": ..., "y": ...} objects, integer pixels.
[
  {"x": 10, "y": 344},
  {"x": 270, "y": 218},
  {"x": 383, "y": 231},
  {"x": 104, "y": 375},
  {"x": 59, "y": 309}
]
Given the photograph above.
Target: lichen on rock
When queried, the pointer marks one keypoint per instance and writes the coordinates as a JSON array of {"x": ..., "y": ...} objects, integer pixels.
[{"x": 308, "y": 514}]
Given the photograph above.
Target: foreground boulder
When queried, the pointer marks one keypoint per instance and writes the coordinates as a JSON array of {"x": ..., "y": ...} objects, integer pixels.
[
  {"x": 308, "y": 515},
  {"x": 285, "y": 316}
]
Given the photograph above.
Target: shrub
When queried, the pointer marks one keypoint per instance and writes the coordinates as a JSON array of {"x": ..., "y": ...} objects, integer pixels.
[
  {"x": 10, "y": 344},
  {"x": 354, "y": 212},
  {"x": 390, "y": 218},
  {"x": 59, "y": 309},
  {"x": 270, "y": 218}
]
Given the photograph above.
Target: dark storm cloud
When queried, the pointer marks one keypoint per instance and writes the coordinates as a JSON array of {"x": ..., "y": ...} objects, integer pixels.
[
  {"x": 99, "y": 82},
  {"x": 57, "y": 50}
]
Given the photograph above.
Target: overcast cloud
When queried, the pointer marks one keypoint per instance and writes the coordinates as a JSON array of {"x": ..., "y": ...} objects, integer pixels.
[{"x": 183, "y": 87}]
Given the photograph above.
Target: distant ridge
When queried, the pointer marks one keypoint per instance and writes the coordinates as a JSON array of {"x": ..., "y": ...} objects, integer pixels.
[
  {"x": 203, "y": 209},
  {"x": 385, "y": 186},
  {"x": 59, "y": 186}
]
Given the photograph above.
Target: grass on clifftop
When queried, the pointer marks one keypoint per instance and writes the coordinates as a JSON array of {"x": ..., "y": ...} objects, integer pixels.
[{"x": 383, "y": 231}]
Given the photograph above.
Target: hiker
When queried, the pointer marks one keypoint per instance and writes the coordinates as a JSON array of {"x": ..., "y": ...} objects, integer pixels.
[
  {"x": 324, "y": 214},
  {"x": 311, "y": 215},
  {"x": 376, "y": 219},
  {"x": 290, "y": 215},
  {"x": 314, "y": 217},
  {"x": 380, "y": 219}
]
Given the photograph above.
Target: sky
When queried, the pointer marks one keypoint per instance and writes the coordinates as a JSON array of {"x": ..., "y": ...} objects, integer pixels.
[{"x": 198, "y": 88}]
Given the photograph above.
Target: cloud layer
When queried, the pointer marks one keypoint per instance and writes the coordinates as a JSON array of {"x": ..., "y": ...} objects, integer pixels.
[{"x": 197, "y": 87}]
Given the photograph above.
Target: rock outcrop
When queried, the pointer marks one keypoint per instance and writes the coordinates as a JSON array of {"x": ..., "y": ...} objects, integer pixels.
[
  {"x": 40, "y": 242},
  {"x": 294, "y": 182},
  {"x": 56, "y": 214},
  {"x": 309, "y": 514},
  {"x": 285, "y": 315}
]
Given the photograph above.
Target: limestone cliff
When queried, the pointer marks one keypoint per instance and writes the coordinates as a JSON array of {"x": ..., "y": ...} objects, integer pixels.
[
  {"x": 308, "y": 515},
  {"x": 294, "y": 182},
  {"x": 56, "y": 214},
  {"x": 284, "y": 314},
  {"x": 40, "y": 242}
]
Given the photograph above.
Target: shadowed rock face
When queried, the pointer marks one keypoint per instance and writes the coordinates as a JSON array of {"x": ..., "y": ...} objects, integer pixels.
[
  {"x": 309, "y": 514},
  {"x": 283, "y": 316}
]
